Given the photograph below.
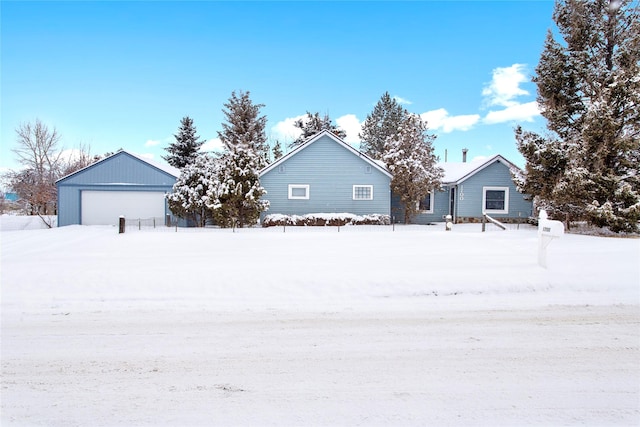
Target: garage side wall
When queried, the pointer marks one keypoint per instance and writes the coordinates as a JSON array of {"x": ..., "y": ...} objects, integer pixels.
[{"x": 120, "y": 172}]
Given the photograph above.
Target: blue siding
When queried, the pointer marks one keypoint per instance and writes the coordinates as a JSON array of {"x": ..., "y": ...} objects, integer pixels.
[
  {"x": 497, "y": 174},
  {"x": 440, "y": 209},
  {"x": 330, "y": 170},
  {"x": 120, "y": 172},
  {"x": 121, "y": 168},
  {"x": 469, "y": 197}
]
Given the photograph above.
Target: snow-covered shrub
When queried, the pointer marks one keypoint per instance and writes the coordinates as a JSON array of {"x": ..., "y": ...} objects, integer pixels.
[{"x": 325, "y": 219}]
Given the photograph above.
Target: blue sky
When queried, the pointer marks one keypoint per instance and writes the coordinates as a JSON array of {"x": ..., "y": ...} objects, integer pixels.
[{"x": 122, "y": 74}]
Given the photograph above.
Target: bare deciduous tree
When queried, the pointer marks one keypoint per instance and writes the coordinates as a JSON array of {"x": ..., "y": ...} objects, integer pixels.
[
  {"x": 78, "y": 158},
  {"x": 37, "y": 150}
]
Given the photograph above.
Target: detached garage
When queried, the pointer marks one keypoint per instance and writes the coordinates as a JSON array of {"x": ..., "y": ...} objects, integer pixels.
[{"x": 122, "y": 184}]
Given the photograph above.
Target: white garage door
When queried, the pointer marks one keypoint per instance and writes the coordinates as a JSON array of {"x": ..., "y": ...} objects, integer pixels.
[{"x": 106, "y": 207}]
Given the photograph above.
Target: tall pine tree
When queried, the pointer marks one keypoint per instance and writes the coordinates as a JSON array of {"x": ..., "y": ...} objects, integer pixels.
[
  {"x": 589, "y": 92},
  {"x": 383, "y": 121},
  {"x": 313, "y": 124},
  {"x": 409, "y": 155},
  {"x": 245, "y": 126},
  {"x": 186, "y": 146},
  {"x": 246, "y": 153}
]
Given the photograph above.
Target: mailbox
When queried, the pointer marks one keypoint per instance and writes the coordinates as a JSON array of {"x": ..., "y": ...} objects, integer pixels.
[
  {"x": 547, "y": 231},
  {"x": 547, "y": 227}
]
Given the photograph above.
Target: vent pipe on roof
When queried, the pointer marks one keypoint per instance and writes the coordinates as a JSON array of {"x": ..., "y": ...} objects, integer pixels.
[{"x": 464, "y": 155}]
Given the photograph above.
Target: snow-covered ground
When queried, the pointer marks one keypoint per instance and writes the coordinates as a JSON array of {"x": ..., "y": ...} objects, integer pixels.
[{"x": 361, "y": 325}]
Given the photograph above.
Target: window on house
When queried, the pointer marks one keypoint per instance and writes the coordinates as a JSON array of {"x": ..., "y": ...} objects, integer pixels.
[
  {"x": 426, "y": 205},
  {"x": 299, "y": 191},
  {"x": 495, "y": 200},
  {"x": 363, "y": 192}
]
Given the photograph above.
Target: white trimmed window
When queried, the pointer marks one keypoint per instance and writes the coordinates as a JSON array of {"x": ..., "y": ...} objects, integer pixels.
[
  {"x": 495, "y": 200},
  {"x": 299, "y": 191},
  {"x": 426, "y": 205},
  {"x": 363, "y": 192}
]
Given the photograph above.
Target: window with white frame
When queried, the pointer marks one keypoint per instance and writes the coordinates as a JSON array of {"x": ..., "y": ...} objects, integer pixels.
[
  {"x": 299, "y": 191},
  {"x": 363, "y": 192},
  {"x": 426, "y": 205},
  {"x": 495, "y": 200}
]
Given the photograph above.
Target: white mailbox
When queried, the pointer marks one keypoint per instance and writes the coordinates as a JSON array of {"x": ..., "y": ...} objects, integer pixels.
[
  {"x": 547, "y": 231},
  {"x": 547, "y": 227}
]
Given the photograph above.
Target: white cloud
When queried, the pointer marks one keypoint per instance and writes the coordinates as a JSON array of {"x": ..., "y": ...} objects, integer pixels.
[
  {"x": 441, "y": 120},
  {"x": 214, "y": 144},
  {"x": 505, "y": 86},
  {"x": 151, "y": 143},
  {"x": 478, "y": 159},
  {"x": 517, "y": 112},
  {"x": 402, "y": 101},
  {"x": 285, "y": 131},
  {"x": 70, "y": 154},
  {"x": 350, "y": 124}
]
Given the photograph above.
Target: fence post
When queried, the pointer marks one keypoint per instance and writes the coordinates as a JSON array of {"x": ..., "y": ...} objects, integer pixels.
[
  {"x": 167, "y": 220},
  {"x": 139, "y": 225},
  {"x": 484, "y": 221},
  {"x": 121, "y": 225}
]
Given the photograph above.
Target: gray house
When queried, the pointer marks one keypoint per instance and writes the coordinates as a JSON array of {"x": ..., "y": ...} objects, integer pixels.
[
  {"x": 326, "y": 175},
  {"x": 121, "y": 184},
  {"x": 470, "y": 190}
]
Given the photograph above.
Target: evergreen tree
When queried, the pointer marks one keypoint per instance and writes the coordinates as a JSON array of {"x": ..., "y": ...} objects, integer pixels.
[
  {"x": 239, "y": 190},
  {"x": 245, "y": 126},
  {"x": 194, "y": 195},
  {"x": 277, "y": 151},
  {"x": 410, "y": 158},
  {"x": 383, "y": 122},
  {"x": 313, "y": 124},
  {"x": 589, "y": 92},
  {"x": 186, "y": 146},
  {"x": 246, "y": 153}
]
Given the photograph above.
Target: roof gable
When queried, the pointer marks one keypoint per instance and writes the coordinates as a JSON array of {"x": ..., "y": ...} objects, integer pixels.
[
  {"x": 338, "y": 141},
  {"x": 457, "y": 172},
  {"x": 169, "y": 170}
]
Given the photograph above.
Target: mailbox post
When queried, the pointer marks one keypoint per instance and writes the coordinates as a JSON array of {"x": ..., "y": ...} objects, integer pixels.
[{"x": 547, "y": 231}]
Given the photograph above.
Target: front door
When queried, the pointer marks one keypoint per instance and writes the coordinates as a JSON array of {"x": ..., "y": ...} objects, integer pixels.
[{"x": 452, "y": 203}]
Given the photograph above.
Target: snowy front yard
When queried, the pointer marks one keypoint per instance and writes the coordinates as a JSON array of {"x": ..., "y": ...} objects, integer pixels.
[{"x": 362, "y": 326}]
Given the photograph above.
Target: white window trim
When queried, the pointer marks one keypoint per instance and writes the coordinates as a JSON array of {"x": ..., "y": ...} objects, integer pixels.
[
  {"x": 495, "y": 211},
  {"x": 427, "y": 211},
  {"x": 296, "y": 186},
  {"x": 353, "y": 194}
]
